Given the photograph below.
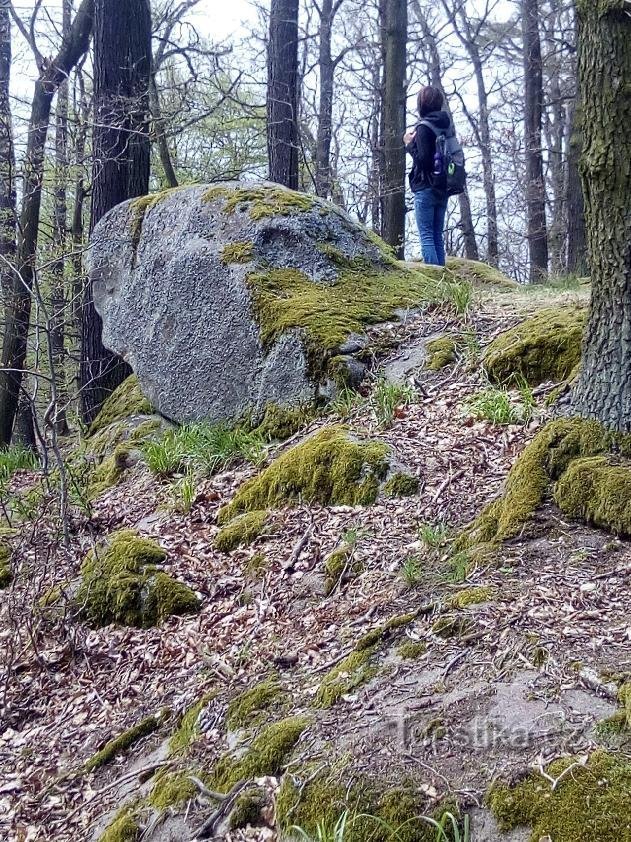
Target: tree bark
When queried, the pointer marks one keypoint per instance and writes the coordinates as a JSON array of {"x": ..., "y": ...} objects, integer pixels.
[
  {"x": 7, "y": 158},
  {"x": 122, "y": 70},
  {"x": 326, "y": 68},
  {"x": 52, "y": 74},
  {"x": 394, "y": 26},
  {"x": 60, "y": 231},
  {"x": 282, "y": 93},
  {"x": 533, "y": 110},
  {"x": 159, "y": 134},
  {"x": 604, "y": 387},
  {"x": 576, "y": 262}
]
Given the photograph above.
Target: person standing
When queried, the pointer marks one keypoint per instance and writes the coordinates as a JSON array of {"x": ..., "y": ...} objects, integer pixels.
[{"x": 428, "y": 177}]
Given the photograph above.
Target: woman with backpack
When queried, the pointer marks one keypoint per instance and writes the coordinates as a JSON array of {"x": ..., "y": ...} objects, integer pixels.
[{"x": 437, "y": 171}]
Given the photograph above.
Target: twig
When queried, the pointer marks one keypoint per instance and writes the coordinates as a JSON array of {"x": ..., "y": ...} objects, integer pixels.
[{"x": 207, "y": 828}]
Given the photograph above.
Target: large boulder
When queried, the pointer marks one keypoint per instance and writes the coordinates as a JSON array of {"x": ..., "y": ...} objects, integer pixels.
[{"x": 229, "y": 298}]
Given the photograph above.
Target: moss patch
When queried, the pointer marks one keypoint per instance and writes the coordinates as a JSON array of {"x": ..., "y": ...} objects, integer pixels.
[
  {"x": 472, "y": 596},
  {"x": 598, "y": 492},
  {"x": 261, "y": 202},
  {"x": 442, "y": 352},
  {"x": 188, "y": 729},
  {"x": 6, "y": 572},
  {"x": 237, "y": 253},
  {"x": 339, "y": 565},
  {"x": 412, "y": 649},
  {"x": 241, "y": 531},
  {"x": 281, "y": 422},
  {"x": 266, "y": 754},
  {"x": 356, "y": 669},
  {"x": 247, "y": 809},
  {"x": 481, "y": 273},
  {"x": 243, "y": 707},
  {"x": 124, "y": 828},
  {"x": 401, "y": 485},
  {"x": 124, "y": 741},
  {"x": 120, "y": 584},
  {"x": 542, "y": 463},
  {"x": 327, "y": 468},
  {"x": 544, "y": 347},
  {"x": 170, "y": 790},
  {"x": 451, "y": 625},
  {"x": 286, "y": 299},
  {"x": 124, "y": 401},
  {"x": 590, "y": 802}
]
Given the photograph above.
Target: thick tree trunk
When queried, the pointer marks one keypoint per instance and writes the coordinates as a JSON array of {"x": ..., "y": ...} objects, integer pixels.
[
  {"x": 326, "y": 68},
  {"x": 19, "y": 310},
  {"x": 576, "y": 234},
  {"x": 394, "y": 25},
  {"x": 282, "y": 93},
  {"x": 604, "y": 387},
  {"x": 7, "y": 158},
  {"x": 533, "y": 108},
  {"x": 122, "y": 69}
]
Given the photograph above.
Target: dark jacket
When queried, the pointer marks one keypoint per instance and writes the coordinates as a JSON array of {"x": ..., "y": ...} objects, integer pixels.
[{"x": 423, "y": 147}]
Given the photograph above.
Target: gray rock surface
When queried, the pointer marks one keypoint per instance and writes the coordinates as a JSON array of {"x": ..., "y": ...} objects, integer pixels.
[{"x": 176, "y": 308}]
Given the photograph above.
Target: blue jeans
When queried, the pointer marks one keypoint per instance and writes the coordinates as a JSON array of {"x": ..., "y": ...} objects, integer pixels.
[{"x": 430, "y": 208}]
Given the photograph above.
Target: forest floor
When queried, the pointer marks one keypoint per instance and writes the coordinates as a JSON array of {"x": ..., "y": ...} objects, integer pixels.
[{"x": 518, "y": 686}]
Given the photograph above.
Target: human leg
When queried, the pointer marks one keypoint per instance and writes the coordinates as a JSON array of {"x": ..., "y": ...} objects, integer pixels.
[
  {"x": 440, "y": 212},
  {"x": 424, "y": 210}
]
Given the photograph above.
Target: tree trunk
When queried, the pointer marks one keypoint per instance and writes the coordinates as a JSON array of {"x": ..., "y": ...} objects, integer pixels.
[
  {"x": 122, "y": 69},
  {"x": 60, "y": 229},
  {"x": 17, "y": 324},
  {"x": 394, "y": 25},
  {"x": 159, "y": 130},
  {"x": 533, "y": 109},
  {"x": 282, "y": 93},
  {"x": 326, "y": 68},
  {"x": 7, "y": 158},
  {"x": 604, "y": 388},
  {"x": 576, "y": 235}
]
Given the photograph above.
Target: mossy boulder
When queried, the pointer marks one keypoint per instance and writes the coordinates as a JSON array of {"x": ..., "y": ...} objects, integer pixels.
[
  {"x": 559, "y": 455},
  {"x": 546, "y": 346},
  {"x": 329, "y": 468},
  {"x": 442, "y": 351},
  {"x": 120, "y": 583},
  {"x": 126, "y": 400},
  {"x": 282, "y": 279},
  {"x": 590, "y": 802}
]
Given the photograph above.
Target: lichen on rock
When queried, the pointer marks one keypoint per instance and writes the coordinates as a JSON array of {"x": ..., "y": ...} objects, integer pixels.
[
  {"x": 121, "y": 584},
  {"x": 329, "y": 468},
  {"x": 592, "y": 802},
  {"x": 546, "y": 346}
]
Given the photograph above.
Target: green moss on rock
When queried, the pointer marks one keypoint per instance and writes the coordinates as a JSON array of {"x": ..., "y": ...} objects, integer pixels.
[
  {"x": 541, "y": 464},
  {"x": 171, "y": 790},
  {"x": 545, "y": 347},
  {"x": 411, "y": 649},
  {"x": 123, "y": 742},
  {"x": 598, "y": 492},
  {"x": 237, "y": 253},
  {"x": 281, "y": 422},
  {"x": 6, "y": 571},
  {"x": 340, "y": 565},
  {"x": 127, "y": 399},
  {"x": 188, "y": 729},
  {"x": 266, "y": 755},
  {"x": 401, "y": 485},
  {"x": 243, "y": 707},
  {"x": 241, "y": 531},
  {"x": 329, "y": 468},
  {"x": 120, "y": 584},
  {"x": 592, "y": 802},
  {"x": 480, "y": 273},
  {"x": 442, "y": 352},
  {"x": 451, "y": 625},
  {"x": 472, "y": 596},
  {"x": 247, "y": 809},
  {"x": 124, "y": 828},
  {"x": 356, "y": 669}
]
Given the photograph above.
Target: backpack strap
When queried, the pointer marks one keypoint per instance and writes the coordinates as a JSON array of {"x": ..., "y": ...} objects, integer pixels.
[{"x": 437, "y": 132}]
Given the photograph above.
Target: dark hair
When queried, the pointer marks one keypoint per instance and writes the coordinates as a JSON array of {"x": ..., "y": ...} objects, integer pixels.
[{"x": 429, "y": 99}]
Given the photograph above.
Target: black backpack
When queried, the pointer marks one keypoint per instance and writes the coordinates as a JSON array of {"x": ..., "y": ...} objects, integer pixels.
[{"x": 453, "y": 177}]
